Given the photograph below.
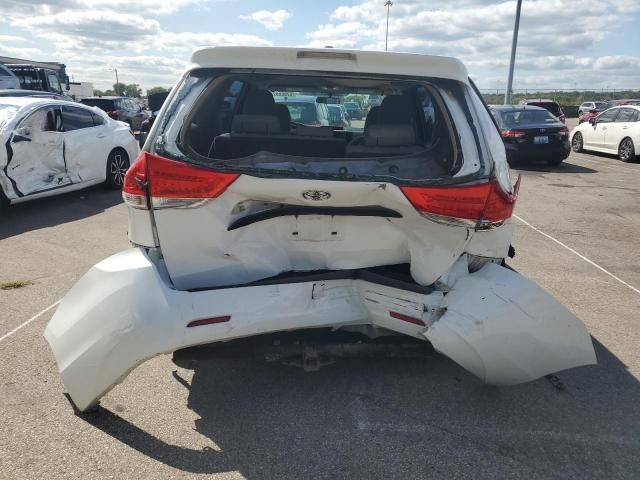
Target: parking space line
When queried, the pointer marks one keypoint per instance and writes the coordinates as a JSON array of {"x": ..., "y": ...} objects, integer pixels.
[
  {"x": 602, "y": 163},
  {"x": 22, "y": 325},
  {"x": 578, "y": 254}
]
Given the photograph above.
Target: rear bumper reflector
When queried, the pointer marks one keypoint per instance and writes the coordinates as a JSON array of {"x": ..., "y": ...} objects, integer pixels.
[{"x": 407, "y": 318}]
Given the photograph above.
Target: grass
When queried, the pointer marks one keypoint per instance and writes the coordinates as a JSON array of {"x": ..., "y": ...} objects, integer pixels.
[{"x": 15, "y": 284}]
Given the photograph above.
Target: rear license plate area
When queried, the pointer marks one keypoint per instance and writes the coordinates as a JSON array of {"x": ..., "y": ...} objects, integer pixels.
[{"x": 543, "y": 140}]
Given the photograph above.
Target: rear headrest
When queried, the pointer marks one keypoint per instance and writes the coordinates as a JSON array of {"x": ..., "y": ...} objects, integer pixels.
[
  {"x": 400, "y": 135},
  {"x": 255, "y": 124},
  {"x": 259, "y": 102},
  {"x": 284, "y": 116},
  {"x": 372, "y": 116},
  {"x": 395, "y": 109}
]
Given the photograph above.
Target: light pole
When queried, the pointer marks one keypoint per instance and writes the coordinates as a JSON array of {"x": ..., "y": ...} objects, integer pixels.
[
  {"x": 117, "y": 81},
  {"x": 387, "y": 4},
  {"x": 514, "y": 44}
]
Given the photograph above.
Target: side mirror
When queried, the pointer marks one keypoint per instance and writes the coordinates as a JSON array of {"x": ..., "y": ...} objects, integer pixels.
[
  {"x": 593, "y": 120},
  {"x": 21, "y": 135}
]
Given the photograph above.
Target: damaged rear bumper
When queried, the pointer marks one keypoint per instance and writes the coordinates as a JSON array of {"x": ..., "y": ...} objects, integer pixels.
[{"x": 494, "y": 322}]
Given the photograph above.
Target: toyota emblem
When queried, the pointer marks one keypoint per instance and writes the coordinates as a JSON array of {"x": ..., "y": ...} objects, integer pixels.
[{"x": 316, "y": 195}]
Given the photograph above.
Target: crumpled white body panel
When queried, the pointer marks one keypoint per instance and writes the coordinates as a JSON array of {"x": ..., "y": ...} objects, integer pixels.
[{"x": 123, "y": 312}]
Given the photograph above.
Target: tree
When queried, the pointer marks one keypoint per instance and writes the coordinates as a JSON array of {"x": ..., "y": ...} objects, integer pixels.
[
  {"x": 133, "y": 90},
  {"x": 152, "y": 90},
  {"x": 119, "y": 88}
]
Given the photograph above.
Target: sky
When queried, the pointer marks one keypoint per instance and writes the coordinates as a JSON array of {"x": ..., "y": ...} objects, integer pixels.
[{"x": 573, "y": 44}]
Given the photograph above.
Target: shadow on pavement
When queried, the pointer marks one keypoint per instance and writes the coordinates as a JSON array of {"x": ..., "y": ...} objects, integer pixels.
[
  {"x": 47, "y": 212},
  {"x": 400, "y": 418},
  {"x": 564, "y": 167}
]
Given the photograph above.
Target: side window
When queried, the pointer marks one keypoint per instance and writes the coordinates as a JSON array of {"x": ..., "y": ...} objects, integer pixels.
[
  {"x": 44, "y": 119},
  {"x": 626, "y": 115},
  {"x": 53, "y": 81},
  {"x": 76, "y": 118},
  {"x": 608, "y": 116},
  {"x": 97, "y": 119}
]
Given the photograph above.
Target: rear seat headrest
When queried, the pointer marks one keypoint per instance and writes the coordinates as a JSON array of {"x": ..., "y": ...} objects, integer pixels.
[
  {"x": 255, "y": 124},
  {"x": 284, "y": 116},
  {"x": 372, "y": 116},
  {"x": 259, "y": 102},
  {"x": 395, "y": 109},
  {"x": 399, "y": 135}
]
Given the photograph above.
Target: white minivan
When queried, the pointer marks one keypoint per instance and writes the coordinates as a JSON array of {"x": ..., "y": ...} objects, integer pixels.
[{"x": 245, "y": 220}]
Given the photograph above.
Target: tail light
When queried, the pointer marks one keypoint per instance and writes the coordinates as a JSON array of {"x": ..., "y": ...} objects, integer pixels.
[
  {"x": 563, "y": 118},
  {"x": 512, "y": 133},
  {"x": 170, "y": 184},
  {"x": 563, "y": 132},
  {"x": 484, "y": 205},
  {"x": 114, "y": 114}
]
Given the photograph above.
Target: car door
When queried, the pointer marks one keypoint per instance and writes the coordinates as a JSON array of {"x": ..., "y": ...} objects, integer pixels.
[
  {"x": 619, "y": 129},
  {"x": 84, "y": 144},
  {"x": 594, "y": 133},
  {"x": 36, "y": 161}
]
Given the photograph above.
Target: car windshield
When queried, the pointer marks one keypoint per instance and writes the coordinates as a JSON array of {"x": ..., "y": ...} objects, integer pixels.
[
  {"x": 602, "y": 105},
  {"x": 523, "y": 117},
  {"x": 101, "y": 103},
  {"x": 7, "y": 112},
  {"x": 278, "y": 124}
]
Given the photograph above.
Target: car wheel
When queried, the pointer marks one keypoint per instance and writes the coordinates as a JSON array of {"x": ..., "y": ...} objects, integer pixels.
[
  {"x": 117, "y": 166},
  {"x": 580, "y": 113},
  {"x": 576, "y": 142},
  {"x": 626, "y": 150}
]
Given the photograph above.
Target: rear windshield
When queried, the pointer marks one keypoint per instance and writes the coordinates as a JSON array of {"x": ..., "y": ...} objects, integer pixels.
[
  {"x": 101, "y": 103},
  {"x": 513, "y": 118},
  {"x": 257, "y": 123},
  {"x": 551, "y": 106}
]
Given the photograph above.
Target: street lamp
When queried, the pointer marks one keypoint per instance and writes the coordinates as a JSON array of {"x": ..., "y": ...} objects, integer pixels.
[
  {"x": 387, "y": 4},
  {"x": 514, "y": 44}
]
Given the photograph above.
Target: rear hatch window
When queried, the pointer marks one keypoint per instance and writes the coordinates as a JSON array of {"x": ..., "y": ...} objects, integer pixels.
[
  {"x": 102, "y": 104},
  {"x": 550, "y": 106},
  {"x": 526, "y": 117},
  {"x": 416, "y": 129}
]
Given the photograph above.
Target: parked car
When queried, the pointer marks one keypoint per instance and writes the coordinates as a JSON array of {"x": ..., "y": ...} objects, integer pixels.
[
  {"x": 119, "y": 108},
  {"x": 306, "y": 110},
  {"x": 354, "y": 110},
  {"x": 8, "y": 79},
  {"x": 615, "y": 131},
  {"x": 245, "y": 227},
  {"x": 34, "y": 77},
  {"x": 592, "y": 106},
  {"x": 550, "y": 105},
  {"x": 532, "y": 134},
  {"x": 338, "y": 116},
  {"x": 51, "y": 147},
  {"x": 154, "y": 102}
]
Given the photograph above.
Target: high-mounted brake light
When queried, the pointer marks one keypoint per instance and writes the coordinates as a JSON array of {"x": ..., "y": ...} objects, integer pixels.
[
  {"x": 484, "y": 204},
  {"x": 171, "y": 184},
  {"x": 512, "y": 133}
]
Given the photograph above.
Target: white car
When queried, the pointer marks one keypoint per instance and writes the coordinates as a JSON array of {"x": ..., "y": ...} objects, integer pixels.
[
  {"x": 51, "y": 146},
  {"x": 615, "y": 131},
  {"x": 245, "y": 222}
]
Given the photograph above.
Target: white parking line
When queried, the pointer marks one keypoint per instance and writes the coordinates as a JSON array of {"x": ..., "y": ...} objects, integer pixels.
[
  {"x": 602, "y": 163},
  {"x": 591, "y": 262},
  {"x": 7, "y": 335}
]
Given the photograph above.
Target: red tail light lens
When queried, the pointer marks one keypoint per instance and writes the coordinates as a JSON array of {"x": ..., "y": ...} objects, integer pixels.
[
  {"x": 172, "y": 184},
  {"x": 512, "y": 133},
  {"x": 113, "y": 113},
  {"x": 135, "y": 182},
  {"x": 563, "y": 132},
  {"x": 483, "y": 203}
]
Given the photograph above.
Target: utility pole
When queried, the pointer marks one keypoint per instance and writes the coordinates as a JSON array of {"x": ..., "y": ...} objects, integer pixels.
[
  {"x": 117, "y": 81},
  {"x": 387, "y": 4},
  {"x": 514, "y": 44}
]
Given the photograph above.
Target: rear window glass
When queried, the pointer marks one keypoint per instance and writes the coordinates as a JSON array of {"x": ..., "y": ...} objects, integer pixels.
[
  {"x": 524, "y": 117},
  {"x": 101, "y": 103},
  {"x": 279, "y": 124},
  {"x": 550, "y": 106}
]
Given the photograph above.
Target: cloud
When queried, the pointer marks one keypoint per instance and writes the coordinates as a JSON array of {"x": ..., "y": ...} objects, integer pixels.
[
  {"x": 25, "y": 8},
  {"x": 269, "y": 20}
]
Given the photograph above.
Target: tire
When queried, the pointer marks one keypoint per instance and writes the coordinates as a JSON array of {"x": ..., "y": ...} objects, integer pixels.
[
  {"x": 555, "y": 162},
  {"x": 117, "y": 165},
  {"x": 626, "y": 150},
  {"x": 580, "y": 113},
  {"x": 577, "y": 142}
]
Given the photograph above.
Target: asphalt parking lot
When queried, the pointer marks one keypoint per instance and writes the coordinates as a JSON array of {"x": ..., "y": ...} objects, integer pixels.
[{"x": 577, "y": 230}]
